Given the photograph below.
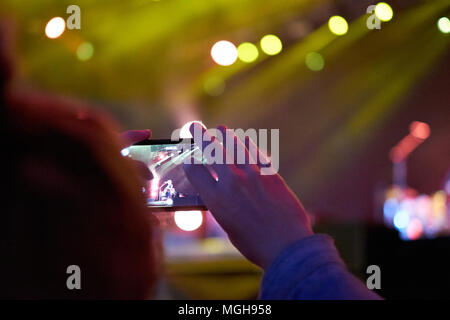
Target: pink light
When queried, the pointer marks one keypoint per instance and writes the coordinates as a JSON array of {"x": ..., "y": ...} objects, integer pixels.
[
  {"x": 415, "y": 229},
  {"x": 154, "y": 185},
  {"x": 419, "y": 130}
]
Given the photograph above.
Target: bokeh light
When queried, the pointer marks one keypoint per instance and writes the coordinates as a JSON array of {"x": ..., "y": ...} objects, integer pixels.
[
  {"x": 444, "y": 25},
  {"x": 419, "y": 130},
  {"x": 401, "y": 219},
  {"x": 85, "y": 51},
  {"x": 247, "y": 52},
  {"x": 271, "y": 44},
  {"x": 188, "y": 220},
  {"x": 390, "y": 208},
  {"x": 338, "y": 25},
  {"x": 415, "y": 229},
  {"x": 314, "y": 61},
  {"x": 55, "y": 27},
  {"x": 125, "y": 152},
  {"x": 383, "y": 11},
  {"x": 224, "y": 53}
]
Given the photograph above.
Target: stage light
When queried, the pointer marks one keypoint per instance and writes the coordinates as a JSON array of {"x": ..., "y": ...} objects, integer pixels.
[
  {"x": 390, "y": 208},
  {"x": 444, "y": 25},
  {"x": 125, "y": 152},
  {"x": 247, "y": 52},
  {"x": 419, "y": 130},
  {"x": 184, "y": 131},
  {"x": 383, "y": 11},
  {"x": 338, "y": 25},
  {"x": 85, "y": 51},
  {"x": 401, "y": 220},
  {"x": 188, "y": 220},
  {"x": 314, "y": 61},
  {"x": 415, "y": 229},
  {"x": 271, "y": 44},
  {"x": 224, "y": 53},
  {"x": 55, "y": 27}
]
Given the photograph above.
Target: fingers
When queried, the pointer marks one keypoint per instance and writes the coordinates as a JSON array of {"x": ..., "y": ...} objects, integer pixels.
[
  {"x": 143, "y": 169},
  {"x": 243, "y": 158},
  {"x": 132, "y": 136},
  {"x": 201, "y": 179},
  {"x": 223, "y": 130},
  {"x": 207, "y": 142},
  {"x": 227, "y": 136},
  {"x": 257, "y": 155}
]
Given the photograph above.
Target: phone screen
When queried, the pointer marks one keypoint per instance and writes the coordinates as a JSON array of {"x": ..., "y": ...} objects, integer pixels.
[{"x": 169, "y": 189}]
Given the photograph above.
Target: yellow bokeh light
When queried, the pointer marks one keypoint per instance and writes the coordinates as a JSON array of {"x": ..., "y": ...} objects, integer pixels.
[
  {"x": 55, "y": 27},
  {"x": 247, "y": 52},
  {"x": 338, "y": 25},
  {"x": 383, "y": 11},
  {"x": 224, "y": 53},
  {"x": 314, "y": 61},
  {"x": 271, "y": 44},
  {"x": 85, "y": 51},
  {"x": 444, "y": 25}
]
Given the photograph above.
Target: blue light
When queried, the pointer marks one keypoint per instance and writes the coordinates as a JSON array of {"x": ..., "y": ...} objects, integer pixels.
[
  {"x": 390, "y": 209},
  {"x": 401, "y": 220}
]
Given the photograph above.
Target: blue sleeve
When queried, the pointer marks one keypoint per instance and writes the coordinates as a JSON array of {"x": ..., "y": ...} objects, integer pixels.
[{"x": 312, "y": 269}]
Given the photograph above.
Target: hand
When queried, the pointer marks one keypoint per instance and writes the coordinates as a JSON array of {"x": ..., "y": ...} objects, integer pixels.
[
  {"x": 130, "y": 137},
  {"x": 127, "y": 138},
  {"x": 260, "y": 214}
]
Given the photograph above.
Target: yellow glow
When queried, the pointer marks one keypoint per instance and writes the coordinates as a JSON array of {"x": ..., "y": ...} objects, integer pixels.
[
  {"x": 444, "y": 25},
  {"x": 224, "y": 53},
  {"x": 85, "y": 51},
  {"x": 188, "y": 220},
  {"x": 214, "y": 86},
  {"x": 247, "y": 52},
  {"x": 55, "y": 27},
  {"x": 338, "y": 25},
  {"x": 383, "y": 11},
  {"x": 271, "y": 44}
]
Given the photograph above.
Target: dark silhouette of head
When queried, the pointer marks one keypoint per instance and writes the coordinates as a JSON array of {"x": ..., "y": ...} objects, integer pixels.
[{"x": 70, "y": 198}]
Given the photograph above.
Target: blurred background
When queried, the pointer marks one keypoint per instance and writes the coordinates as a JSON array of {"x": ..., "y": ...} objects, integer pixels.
[{"x": 359, "y": 91}]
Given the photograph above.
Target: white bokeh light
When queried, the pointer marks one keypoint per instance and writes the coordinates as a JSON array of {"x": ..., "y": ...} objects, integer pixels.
[
  {"x": 125, "y": 152},
  {"x": 55, "y": 27},
  {"x": 444, "y": 25},
  {"x": 224, "y": 53},
  {"x": 188, "y": 220}
]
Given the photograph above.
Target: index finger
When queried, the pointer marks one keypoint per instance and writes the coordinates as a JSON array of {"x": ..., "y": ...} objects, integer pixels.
[{"x": 199, "y": 133}]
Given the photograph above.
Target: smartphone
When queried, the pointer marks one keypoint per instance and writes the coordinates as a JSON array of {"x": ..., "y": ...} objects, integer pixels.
[{"x": 169, "y": 190}]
